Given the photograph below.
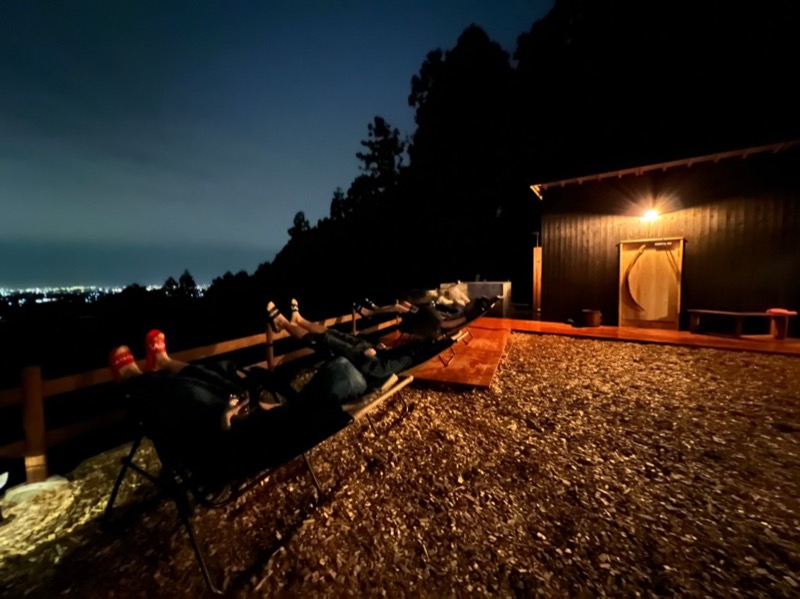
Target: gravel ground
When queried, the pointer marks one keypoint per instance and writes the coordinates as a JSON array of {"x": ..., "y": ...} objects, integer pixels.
[{"x": 590, "y": 468}]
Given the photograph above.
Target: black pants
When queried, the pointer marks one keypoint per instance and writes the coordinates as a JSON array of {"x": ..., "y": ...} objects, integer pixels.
[{"x": 374, "y": 369}]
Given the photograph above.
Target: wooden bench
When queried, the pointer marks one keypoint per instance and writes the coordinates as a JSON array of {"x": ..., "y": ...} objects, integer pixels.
[{"x": 779, "y": 322}]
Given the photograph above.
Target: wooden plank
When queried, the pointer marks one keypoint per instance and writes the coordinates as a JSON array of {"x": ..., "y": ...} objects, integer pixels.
[
  {"x": 216, "y": 349},
  {"x": 75, "y": 382},
  {"x": 755, "y": 343},
  {"x": 290, "y": 356},
  {"x": 474, "y": 363},
  {"x": 727, "y": 312}
]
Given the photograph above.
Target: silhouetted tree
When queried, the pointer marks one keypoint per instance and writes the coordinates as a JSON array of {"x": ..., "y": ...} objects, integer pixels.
[
  {"x": 384, "y": 156},
  {"x": 300, "y": 225},
  {"x": 187, "y": 287},
  {"x": 338, "y": 205},
  {"x": 462, "y": 104},
  {"x": 380, "y": 165},
  {"x": 461, "y": 100},
  {"x": 170, "y": 287},
  {"x": 133, "y": 291}
]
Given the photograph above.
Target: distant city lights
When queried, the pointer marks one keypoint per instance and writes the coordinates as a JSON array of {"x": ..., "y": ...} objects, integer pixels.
[{"x": 90, "y": 293}]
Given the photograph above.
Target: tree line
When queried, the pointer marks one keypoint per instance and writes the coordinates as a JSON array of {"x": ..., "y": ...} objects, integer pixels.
[{"x": 595, "y": 85}]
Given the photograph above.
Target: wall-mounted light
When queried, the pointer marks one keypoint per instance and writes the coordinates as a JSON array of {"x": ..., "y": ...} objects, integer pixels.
[{"x": 650, "y": 216}]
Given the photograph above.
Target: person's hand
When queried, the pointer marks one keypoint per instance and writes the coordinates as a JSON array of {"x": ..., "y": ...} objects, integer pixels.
[{"x": 235, "y": 407}]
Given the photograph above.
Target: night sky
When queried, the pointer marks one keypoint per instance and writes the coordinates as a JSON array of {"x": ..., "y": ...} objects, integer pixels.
[{"x": 141, "y": 138}]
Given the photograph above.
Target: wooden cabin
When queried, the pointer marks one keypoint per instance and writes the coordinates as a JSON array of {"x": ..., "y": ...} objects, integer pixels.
[{"x": 644, "y": 245}]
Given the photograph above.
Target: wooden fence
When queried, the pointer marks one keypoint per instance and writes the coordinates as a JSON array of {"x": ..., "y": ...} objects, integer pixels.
[{"x": 33, "y": 391}]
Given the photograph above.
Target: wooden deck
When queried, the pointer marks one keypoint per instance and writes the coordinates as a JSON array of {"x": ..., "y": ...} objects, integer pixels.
[
  {"x": 755, "y": 343},
  {"x": 474, "y": 361}
]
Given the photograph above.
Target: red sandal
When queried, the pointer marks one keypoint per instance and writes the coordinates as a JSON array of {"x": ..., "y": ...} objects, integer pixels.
[
  {"x": 118, "y": 359},
  {"x": 155, "y": 344}
]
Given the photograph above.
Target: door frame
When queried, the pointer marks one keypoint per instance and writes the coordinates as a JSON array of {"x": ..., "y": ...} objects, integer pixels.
[{"x": 624, "y": 283}]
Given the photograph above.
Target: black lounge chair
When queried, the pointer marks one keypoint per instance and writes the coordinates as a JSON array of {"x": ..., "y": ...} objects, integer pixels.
[{"x": 189, "y": 487}]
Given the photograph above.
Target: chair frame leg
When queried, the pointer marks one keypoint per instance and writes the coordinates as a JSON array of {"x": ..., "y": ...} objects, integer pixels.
[
  {"x": 446, "y": 363},
  {"x": 313, "y": 474},
  {"x": 184, "y": 510},
  {"x": 172, "y": 488},
  {"x": 127, "y": 462}
]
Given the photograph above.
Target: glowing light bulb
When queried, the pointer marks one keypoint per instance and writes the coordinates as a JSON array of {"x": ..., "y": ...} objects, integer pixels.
[{"x": 650, "y": 216}]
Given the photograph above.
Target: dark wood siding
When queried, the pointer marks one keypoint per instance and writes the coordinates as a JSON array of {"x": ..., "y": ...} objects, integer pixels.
[{"x": 740, "y": 220}]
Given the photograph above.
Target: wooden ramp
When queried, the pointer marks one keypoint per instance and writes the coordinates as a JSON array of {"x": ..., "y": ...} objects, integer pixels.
[
  {"x": 475, "y": 362},
  {"x": 472, "y": 361}
]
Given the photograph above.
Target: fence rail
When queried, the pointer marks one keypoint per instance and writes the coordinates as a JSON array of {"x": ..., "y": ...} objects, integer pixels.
[{"x": 34, "y": 390}]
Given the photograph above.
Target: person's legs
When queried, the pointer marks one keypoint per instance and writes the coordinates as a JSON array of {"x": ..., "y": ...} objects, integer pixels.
[
  {"x": 341, "y": 344},
  {"x": 298, "y": 320},
  {"x": 314, "y": 327},
  {"x": 318, "y": 336},
  {"x": 405, "y": 306},
  {"x": 336, "y": 382},
  {"x": 221, "y": 381},
  {"x": 280, "y": 323},
  {"x": 368, "y": 309},
  {"x": 158, "y": 359}
]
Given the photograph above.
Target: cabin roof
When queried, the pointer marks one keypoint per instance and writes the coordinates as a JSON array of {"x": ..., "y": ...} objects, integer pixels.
[{"x": 540, "y": 188}]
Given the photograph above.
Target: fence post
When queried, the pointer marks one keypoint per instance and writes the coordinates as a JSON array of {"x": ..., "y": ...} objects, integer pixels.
[
  {"x": 270, "y": 351},
  {"x": 33, "y": 424}
]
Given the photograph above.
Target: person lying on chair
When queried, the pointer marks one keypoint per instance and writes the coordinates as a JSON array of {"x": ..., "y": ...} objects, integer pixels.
[
  {"x": 203, "y": 414},
  {"x": 367, "y": 308},
  {"x": 425, "y": 317},
  {"x": 339, "y": 381},
  {"x": 375, "y": 362}
]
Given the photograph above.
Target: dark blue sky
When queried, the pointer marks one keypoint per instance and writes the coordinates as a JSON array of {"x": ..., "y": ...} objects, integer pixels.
[{"x": 140, "y": 138}]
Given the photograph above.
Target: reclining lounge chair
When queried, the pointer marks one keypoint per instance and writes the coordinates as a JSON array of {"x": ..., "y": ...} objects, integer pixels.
[{"x": 190, "y": 485}]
